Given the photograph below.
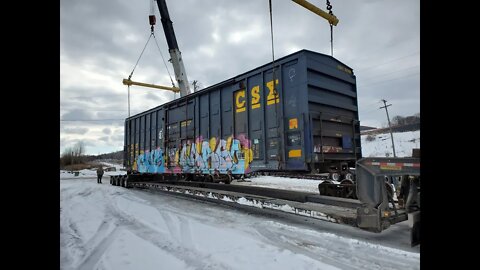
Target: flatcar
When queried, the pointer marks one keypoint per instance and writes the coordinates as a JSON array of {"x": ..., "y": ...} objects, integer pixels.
[{"x": 300, "y": 116}]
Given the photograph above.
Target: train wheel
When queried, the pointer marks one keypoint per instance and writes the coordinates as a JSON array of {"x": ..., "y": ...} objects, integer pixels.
[
  {"x": 335, "y": 176},
  {"x": 349, "y": 176},
  {"x": 229, "y": 179},
  {"x": 349, "y": 191}
]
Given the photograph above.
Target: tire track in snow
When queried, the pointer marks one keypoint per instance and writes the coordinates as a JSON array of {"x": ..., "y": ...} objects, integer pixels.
[
  {"x": 278, "y": 240},
  {"x": 338, "y": 251},
  {"x": 163, "y": 241},
  {"x": 96, "y": 253}
]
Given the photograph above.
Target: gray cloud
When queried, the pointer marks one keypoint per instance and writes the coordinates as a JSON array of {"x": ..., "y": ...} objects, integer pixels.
[
  {"x": 76, "y": 130},
  {"x": 117, "y": 138},
  {"x": 105, "y": 138},
  {"x": 77, "y": 114},
  {"x": 107, "y": 131},
  {"x": 100, "y": 42}
]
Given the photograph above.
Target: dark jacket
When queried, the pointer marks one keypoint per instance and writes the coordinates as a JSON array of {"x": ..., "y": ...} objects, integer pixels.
[{"x": 100, "y": 171}]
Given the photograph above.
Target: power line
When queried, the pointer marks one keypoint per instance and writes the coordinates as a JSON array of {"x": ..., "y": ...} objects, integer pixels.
[
  {"x": 388, "y": 62},
  {"x": 375, "y": 76},
  {"x": 402, "y": 77}
]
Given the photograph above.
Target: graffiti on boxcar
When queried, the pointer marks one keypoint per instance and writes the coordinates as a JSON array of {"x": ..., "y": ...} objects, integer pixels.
[{"x": 200, "y": 155}]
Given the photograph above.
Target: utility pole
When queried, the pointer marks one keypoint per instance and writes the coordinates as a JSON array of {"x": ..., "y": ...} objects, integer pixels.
[{"x": 389, "y": 126}]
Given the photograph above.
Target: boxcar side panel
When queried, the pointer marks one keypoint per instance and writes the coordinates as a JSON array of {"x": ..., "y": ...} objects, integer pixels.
[
  {"x": 294, "y": 109},
  {"x": 273, "y": 116},
  {"x": 256, "y": 112}
]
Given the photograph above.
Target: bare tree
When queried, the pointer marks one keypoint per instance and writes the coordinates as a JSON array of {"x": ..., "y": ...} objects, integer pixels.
[
  {"x": 73, "y": 155},
  {"x": 78, "y": 152}
]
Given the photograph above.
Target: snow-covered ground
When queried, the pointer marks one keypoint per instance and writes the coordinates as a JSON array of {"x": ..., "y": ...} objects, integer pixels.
[
  {"x": 306, "y": 185},
  {"x": 109, "y": 227},
  {"x": 381, "y": 146},
  {"x": 88, "y": 173}
]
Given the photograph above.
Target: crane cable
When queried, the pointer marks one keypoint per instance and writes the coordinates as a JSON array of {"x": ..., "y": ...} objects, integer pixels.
[
  {"x": 138, "y": 60},
  {"x": 154, "y": 38},
  {"x": 329, "y": 8},
  {"x": 129, "y": 77},
  {"x": 274, "y": 80}
]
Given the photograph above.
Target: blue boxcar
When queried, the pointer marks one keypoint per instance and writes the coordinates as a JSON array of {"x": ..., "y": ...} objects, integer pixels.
[{"x": 307, "y": 121}]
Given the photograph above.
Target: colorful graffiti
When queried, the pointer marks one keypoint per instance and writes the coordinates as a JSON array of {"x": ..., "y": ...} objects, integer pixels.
[{"x": 200, "y": 155}]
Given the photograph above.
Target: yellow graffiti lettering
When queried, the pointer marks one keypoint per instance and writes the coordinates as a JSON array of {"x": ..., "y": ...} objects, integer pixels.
[
  {"x": 199, "y": 146},
  {"x": 255, "y": 97},
  {"x": 213, "y": 144},
  {"x": 189, "y": 147},
  {"x": 177, "y": 156},
  {"x": 240, "y": 103},
  {"x": 272, "y": 97},
  {"x": 248, "y": 155},
  {"x": 229, "y": 143}
]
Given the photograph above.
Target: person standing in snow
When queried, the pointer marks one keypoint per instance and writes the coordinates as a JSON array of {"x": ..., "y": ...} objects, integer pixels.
[{"x": 99, "y": 174}]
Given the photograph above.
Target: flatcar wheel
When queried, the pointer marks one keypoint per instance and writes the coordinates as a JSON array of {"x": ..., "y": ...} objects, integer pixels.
[
  {"x": 349, "y": 176},
  {"x": 349, "y": 190},
  {"x": 229, "y": 179},
  {"x": 335, "y": 176}
]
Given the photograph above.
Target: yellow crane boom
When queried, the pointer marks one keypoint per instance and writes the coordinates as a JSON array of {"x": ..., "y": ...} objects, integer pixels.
[
  {"x": 130, "y": 82},
  {"x": 330, "y": 18}
]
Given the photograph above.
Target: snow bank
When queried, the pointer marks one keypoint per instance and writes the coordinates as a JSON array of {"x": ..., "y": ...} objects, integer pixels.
[{"x": 381, "y": 145}]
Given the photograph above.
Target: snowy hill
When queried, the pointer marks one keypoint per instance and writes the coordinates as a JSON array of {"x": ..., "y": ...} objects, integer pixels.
[{"x": 380, "y": 145}]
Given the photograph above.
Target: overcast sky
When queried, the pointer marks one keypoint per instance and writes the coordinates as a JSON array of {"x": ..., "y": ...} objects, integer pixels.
[{"x": 101, "y": 40}]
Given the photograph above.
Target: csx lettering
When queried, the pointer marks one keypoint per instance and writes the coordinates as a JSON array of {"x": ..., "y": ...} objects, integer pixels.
[
  {"x": 240, "y": 101},
  {"x": 272, "y": 97},
  {"x": 256, "y": 97}
]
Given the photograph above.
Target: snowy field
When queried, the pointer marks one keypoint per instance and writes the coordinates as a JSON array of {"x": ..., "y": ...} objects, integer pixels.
[
  {"x": 109, "y": 227},
  {"x": 381, "y": 146}
]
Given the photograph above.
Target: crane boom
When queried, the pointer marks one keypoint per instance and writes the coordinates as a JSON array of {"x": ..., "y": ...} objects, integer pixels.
[
  {"x": 330, "y": 18},
  {"x": 175, "y": 54}
]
